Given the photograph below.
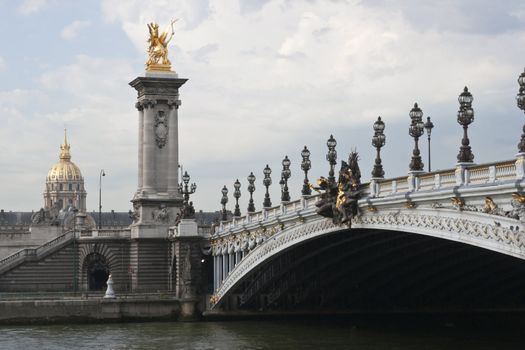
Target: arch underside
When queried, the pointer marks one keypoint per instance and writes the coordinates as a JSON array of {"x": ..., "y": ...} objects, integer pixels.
[{"x": 371, "y": 269}]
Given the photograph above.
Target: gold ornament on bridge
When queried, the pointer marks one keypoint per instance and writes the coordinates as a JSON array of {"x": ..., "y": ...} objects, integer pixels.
[
  {"x": 518, "y": 197},
  {"x": 158, "y": 47}
]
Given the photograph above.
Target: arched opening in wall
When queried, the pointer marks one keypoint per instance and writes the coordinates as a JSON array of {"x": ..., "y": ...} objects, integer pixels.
[{"x": 97, "y": 271}]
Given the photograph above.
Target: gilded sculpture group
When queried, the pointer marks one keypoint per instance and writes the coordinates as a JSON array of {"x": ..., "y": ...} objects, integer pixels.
[
  {"x": 339, "y": 199},
  {"x": 158, "y": 47}
]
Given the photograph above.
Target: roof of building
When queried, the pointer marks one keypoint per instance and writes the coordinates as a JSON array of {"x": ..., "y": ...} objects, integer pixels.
[
  {"x": 65, "y": 169},
  {"x": 112, "y": 218}
]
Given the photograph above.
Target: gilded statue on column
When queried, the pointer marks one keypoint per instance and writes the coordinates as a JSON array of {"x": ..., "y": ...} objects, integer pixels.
[{"x": 158, "y": 47}]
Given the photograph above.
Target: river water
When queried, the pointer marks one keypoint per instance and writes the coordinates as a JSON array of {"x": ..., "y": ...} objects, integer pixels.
[{"x": 291, "y": 334}]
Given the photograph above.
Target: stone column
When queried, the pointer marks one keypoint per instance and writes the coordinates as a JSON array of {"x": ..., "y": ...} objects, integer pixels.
[
  {"x": 148, "y": 147},
  {"x": 156, "y": 208},
  {"x": 173, "y": 149},
  {"x": 231, "y": 259},
  {"x": 219, "y": 270},
  {"x": 224, "y": 266},
  {"x": 215, "y": 272},
  {"x": 239, "y": 257},
  {"x": 140, "y": 108}
]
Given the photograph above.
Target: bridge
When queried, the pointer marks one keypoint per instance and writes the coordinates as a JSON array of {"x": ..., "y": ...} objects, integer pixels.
[
  {"x": 265, "y": 256},
  {"x": 446, "y": 240}
]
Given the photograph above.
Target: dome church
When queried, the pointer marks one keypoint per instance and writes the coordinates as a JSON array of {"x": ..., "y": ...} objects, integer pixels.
[{"x": 64, "y": 183}]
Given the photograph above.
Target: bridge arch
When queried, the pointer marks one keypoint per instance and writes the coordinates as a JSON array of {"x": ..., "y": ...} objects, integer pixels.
[{"x": 491, "y": 232}]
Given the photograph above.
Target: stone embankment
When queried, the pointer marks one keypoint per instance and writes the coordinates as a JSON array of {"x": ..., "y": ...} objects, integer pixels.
[{"x": 24, "y": 311}]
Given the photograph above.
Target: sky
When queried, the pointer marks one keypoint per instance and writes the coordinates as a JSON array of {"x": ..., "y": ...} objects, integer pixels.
[{"x": 266, "y": 78}]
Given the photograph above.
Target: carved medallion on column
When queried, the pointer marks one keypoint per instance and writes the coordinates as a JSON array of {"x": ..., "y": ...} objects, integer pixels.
[{"x": 161, "y": 129}]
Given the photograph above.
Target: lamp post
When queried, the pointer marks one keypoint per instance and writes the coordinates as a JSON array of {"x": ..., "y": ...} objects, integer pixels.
[
  {"x": 428, "y": 127},
  {"x": 267, "y": 181},
  {"x": 102, "y": 173},
  {"x": 237, "y": 195},
  {"x": 520, "y": 99},
  {"x": 224, "y": 200},
  {"x": 331, "y": 157},
  {"x": 185, "y": 189},
  {"x": 465, "y": 117},
  {"x": 306, "y": 165},
  {"x": 285, "y": 175},
  {"x": 75, "y": 282},
  {"x": 251, "y": 189},
  {"x": 378, "y": 141},
  {"x": 416, "y": 130}
]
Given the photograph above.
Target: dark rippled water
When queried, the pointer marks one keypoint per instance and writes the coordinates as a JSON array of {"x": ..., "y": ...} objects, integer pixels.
[{"x": 257, "y": 335}]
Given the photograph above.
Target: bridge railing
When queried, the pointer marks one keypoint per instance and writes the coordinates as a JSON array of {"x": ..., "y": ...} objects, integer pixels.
[
  {"x": 448, "y": 178},
  {"x": 271, "y": 213},
  {"x": 426, "y": 181}
]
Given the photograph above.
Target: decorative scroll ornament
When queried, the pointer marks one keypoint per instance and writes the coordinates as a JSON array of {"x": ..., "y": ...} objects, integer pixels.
[
  {"x": 161, "y": 129},
  {"x": 339, "y": 199}
]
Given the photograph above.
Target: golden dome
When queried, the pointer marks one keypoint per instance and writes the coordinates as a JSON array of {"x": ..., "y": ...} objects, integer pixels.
[{"x": 65, "y": 169}]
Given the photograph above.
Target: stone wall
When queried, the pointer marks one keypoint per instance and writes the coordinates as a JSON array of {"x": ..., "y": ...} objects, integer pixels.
[{"x": 45, "y": 311}]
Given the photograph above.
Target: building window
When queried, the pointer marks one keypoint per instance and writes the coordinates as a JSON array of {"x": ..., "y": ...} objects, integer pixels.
[
  {"x": 71, "y": 187},
  {"x": 61, "y": 188}
]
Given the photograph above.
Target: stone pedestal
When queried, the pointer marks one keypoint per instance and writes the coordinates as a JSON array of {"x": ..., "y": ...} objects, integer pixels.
[
  {"x": 374, "y": 186},
  {"x": 462, "y": 176},
  {"x": 520, "y": 166},
  {"x": 413, "y": 180},
  {"x": 188, "y": 274},
  {"x": 156, "y": 203},
  {"x": 187, "y": 228}
]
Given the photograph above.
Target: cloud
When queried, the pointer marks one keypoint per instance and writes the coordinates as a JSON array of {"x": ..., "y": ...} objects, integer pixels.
[
  {"x": 71, "y": 30},
  {"x": 32, "y": 6},
  {"x": 267, "y": 78},
  {"x": 91, "y": 98},
  {"x": 202, "y": 54},
  {"x": 275, "y": 75}
]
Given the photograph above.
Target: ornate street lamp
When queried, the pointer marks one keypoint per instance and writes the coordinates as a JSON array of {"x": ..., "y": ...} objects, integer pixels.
[
  {"x": 185, "y": 189},
  {"x": 306, "y": 165},
  {"x": 428, "y": 127},
  {"x": 224, "y": 200},
  {"x": 331, "y": 157},
  {"x": 416, "y": 130},
  {"x": 237, "y": 195},
  {"x": 465, "y": 117},
  {"x": 267, "y": 181},
  {"x": 251, "y": 189},
  {"x": 520, "y": 99},
  {"x": 378, "y": 141},
  {"x": 102, "y": 173},
  {"x": 285, "y": 175}
]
